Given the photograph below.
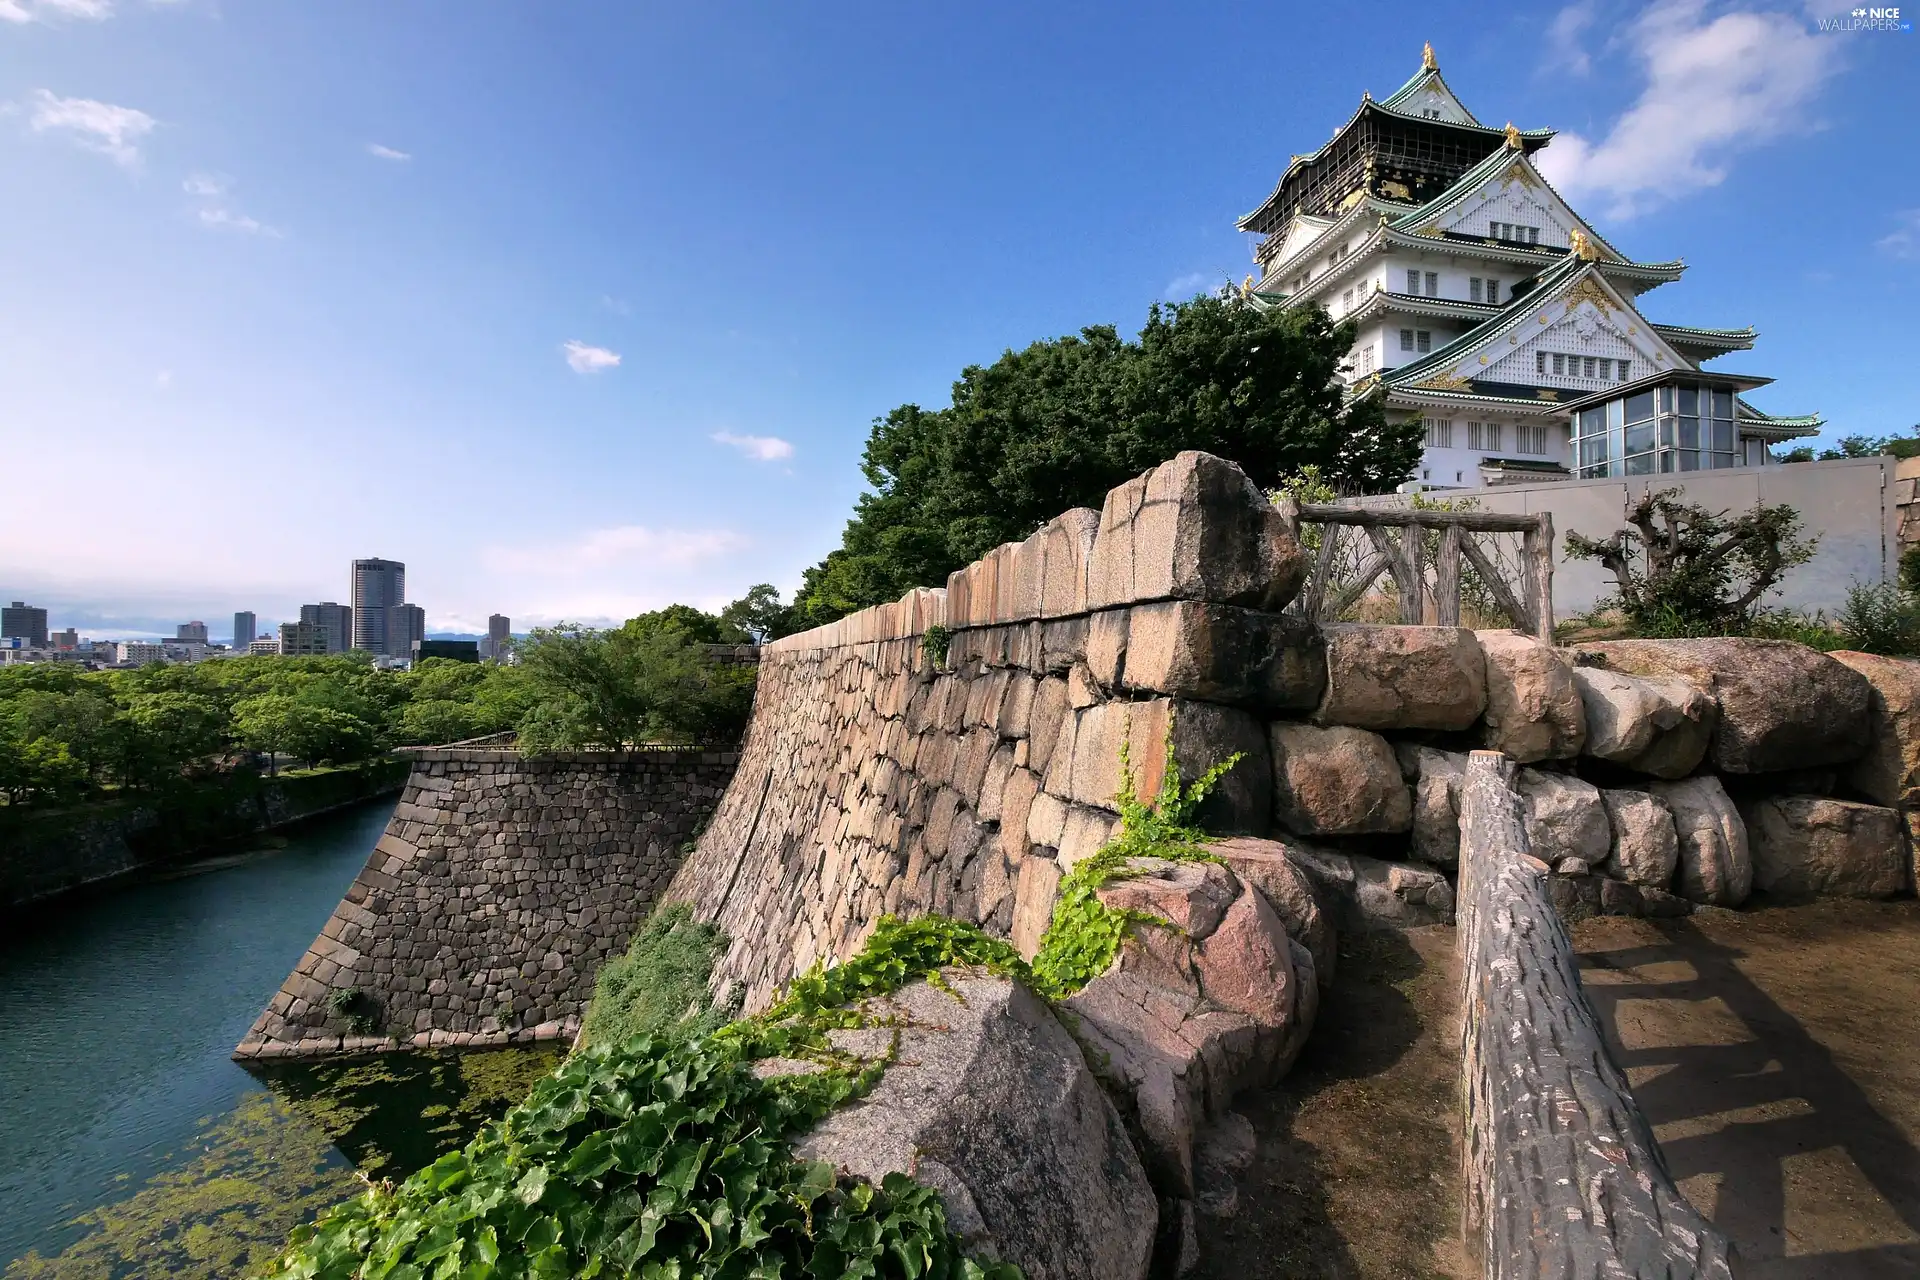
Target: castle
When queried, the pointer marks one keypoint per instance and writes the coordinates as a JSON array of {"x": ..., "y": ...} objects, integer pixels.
[{"x": 1493, "y": 313}]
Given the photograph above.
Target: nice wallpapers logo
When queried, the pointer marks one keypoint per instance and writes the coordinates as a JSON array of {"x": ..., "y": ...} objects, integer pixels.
[{"x": 1868, "y": 19}]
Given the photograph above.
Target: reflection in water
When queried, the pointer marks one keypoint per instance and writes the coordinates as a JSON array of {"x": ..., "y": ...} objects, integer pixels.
[{"x": 281, "y": 1158}]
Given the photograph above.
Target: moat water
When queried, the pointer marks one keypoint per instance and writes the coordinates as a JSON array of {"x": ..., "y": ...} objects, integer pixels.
[{"x": 130, "y": 1144}]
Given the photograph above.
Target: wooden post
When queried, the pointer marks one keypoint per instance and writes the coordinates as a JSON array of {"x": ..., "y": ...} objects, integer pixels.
[
  {"x": 1316, "y": 597},
  {"x": 1413, "y": 592},
  {"x": 1446, "y": 579},
  {"x": 1537, "y": 551}
]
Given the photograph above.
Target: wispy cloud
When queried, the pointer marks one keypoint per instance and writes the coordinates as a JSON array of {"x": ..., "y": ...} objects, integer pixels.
[
  {"x": 1180, "y": 288},
  {"x": 1903, "y": 242},
  {"x": 759, "y": 448},
  {"x": 1714, "y": 86},
  {"x": 216, "y": 212},
  {"x": 23, "y": 11},
  {"x": 604, "y": 552},
  {"x": 111, "y": 130},
  {"x": 1566, "y": 48},
  {"x": 618, "y": 306},
  {"x": 387, "y": 153},
  {"x": 582, "y": 358}
]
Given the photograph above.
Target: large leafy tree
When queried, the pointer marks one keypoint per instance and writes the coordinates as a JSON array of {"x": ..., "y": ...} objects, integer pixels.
[{"x": 1058, "y": 424}]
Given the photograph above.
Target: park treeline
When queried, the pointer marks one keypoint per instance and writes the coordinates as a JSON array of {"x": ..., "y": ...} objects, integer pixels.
[{"x": 68, "y": 735}]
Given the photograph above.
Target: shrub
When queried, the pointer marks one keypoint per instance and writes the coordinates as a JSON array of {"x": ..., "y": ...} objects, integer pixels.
[
  {"x": 1881, "y": 618},
  {"x": 659, "y": 986}
]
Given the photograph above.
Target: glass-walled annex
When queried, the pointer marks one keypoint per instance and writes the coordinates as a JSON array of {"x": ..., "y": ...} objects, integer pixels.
[{"x": 1678, "y": 421}]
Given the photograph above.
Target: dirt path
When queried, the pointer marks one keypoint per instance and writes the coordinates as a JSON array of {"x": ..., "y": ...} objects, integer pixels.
[
  {"x": 1356, "y": 1173},
  {"x": 1777, "y": 1054}
]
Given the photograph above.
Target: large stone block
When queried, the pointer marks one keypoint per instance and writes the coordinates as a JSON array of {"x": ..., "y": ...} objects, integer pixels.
[
  {"x": 990, "y": 1103},
  {"x": 1387, "y": 677},
  {"x": 1336, "y": 781},
  {"x": 1645, "y": 848},
  {"x": 1654, "y": 725},
  {"x": 1436, "y": 777},
  {"x": 1204, "y": 734},
  {"x": 1564, "y": 817},
  {"x": 1062, "y": 551},
  {"x": 1716, "y": 863},
  {"x": 1534, "y": 711},
  {"x": 1889, "y": 771},
  {"x": 1035, "y": 888},
  {"x": 1782, "y": 705},
  {"x": 1267, "y": 662},
  {"x": 1808, "y": 845},
  {"x": 1193, "y": 528},
  {"x": 1268, "y": 867}
]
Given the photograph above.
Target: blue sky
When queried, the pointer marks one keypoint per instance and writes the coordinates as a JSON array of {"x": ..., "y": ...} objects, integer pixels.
[{"x": 286, "y": 284}]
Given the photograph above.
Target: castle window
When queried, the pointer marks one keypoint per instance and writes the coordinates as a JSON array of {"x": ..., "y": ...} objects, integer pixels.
[
  {"x": 1439, "y": 433},
  {"x": 1559, "y": 363},
  {"x": 1493, "y": 436},
  {"x": 1433, "y": 284},
  {"x": 1413, "y": 283},
  {"x": 1406, "y": 339},
  {"x": 1623, "y": 370},
  {"x": 1493, "y": 291},
  {"x": 1423, "y": 339},
  {"x": 1474, "y": 436},
  {"x": 1530, "y": 439},
  {"x": 1606, "y": 369},
  {"x": 1346, "y": 302},
  {"x": 1533, "y": 235},
  {"x": 1588, "y": 362},
  {"x": 1539, "y": 362},
  {"x": 1473, "y": 288}
]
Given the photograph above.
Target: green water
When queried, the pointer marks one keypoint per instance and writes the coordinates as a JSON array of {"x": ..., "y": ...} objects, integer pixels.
[{"x": 130, "y": 1145}]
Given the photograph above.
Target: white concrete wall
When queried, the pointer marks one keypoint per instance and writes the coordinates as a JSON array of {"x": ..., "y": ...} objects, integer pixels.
[{"x": 1848, "y": 503}]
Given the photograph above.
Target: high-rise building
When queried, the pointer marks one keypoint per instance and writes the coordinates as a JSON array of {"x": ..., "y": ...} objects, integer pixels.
[
  {"x": 66, "y": 640},
  {"x": 336, "y": 619},
  {"x": 378, "y": 585},
  {"x": 406, "y": 627},
  {"x": 191, "y": 631},
  {"x": 1490, "y": 312},
  {"x": 21, "y": 621},
  {"x": 499, "y": 636},
  {"x": 245, "y": 628},
  {"x": 264, "y": 645},
  {"x": 303, "y": 640}
]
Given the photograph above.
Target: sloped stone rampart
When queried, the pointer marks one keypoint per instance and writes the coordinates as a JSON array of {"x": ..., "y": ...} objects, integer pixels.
[{"x": 484, "y": 911}]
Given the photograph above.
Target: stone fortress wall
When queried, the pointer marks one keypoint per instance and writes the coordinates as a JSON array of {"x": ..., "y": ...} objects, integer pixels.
[
  {"x": 499, "y": 887},
  {"x": 882, "y": 776}
]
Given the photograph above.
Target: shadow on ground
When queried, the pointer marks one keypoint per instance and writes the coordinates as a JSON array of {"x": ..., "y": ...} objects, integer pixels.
[
  {"x": 1355, "y": 1174},
  {"x": 1776, "y": 1052}
]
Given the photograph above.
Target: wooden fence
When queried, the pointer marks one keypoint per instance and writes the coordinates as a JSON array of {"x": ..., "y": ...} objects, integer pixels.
[{"x": 1343, "y": 571}]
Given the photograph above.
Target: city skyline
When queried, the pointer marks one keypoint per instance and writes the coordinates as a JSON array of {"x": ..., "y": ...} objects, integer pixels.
[{"x": 269, "y": 247}]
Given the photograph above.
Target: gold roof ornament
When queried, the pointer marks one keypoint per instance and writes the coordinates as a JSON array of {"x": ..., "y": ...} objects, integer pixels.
[
  {"x": 1513, "y": 137},
  {"x": 1583, "y": 246},
  {"x": 1246, "y": 287},
  {"x": 1427, "y": 61}
]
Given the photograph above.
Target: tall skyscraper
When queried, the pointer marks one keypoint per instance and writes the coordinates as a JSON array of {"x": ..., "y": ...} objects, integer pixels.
[
  {"x": 335, "y": 619},
  {"x": 378, "y": 585},
  {"x": 22, "y": 621},
  {"x": 406, "y": 626},
  {"x": 191, "y": 631},
  {"x": 245, "y": 630},
  {"x": 499, "y": 636}
]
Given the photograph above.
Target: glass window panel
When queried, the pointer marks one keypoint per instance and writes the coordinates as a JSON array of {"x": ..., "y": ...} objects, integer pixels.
[
  {"x": 1666, "y": 433},
  {"x": 1592, "y": 421},
  {"x": 1593, "y": 450},
  {"x": 1689, "y": 433},
  {"x": 1640, "y": 438},
  {"x": 1723, "y": 436},
  {"x": 1722, "y": 460},
  {"x": 1473, "y": 288},
  {"x": 1640, "y": 406},
  {"x": 1613, "y": 413},
  {"x": 1640, "y": 464},
  {"x": 1666, "y": 399},
  {"x": 1666, "y": 459},
  {"x": 1690, "y": 400},
  {"x": 1689, "y": 460},
  {"x": 1723, "y": 404}
]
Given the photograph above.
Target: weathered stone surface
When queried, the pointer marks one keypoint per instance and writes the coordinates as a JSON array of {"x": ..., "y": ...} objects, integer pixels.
[
  {"x": 1782, "y": 705},
  {"x": 500, "y": 886},
  {"x": 1193, "y": 528},
  {"x": 1368, "y": 894},
  {"x": 1808, "y": 845},
  {"x": 1645, "y": 849},
  {"x": 1889, "y": 771},
  {"x": 1062, "y": 550},
  {"x": 1191, "y": 896},
  {"x": 1086, "y": 831},
  {"x": 1336, "y": 781},
  {"x": 1716, "y": 866},
  {"x": 1534, "y": 712},
  {"x": 1267, "y": 866},
  {"x": 1383, "y": 677},
  {"x": 1654, "y": 725},
  {"x": 990, "y": 1102},
  {"x": 1267, "y": 662},
  {"x": 1035, "y": 889},
  {"x": 1565, "y": 818},
  {"x": 1436, "y": 777},
  {"x": 1183, "y": 1021}
]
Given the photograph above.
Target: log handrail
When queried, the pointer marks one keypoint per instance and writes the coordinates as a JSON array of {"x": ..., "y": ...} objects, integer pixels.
[{"x": 1563, "y": 1176}]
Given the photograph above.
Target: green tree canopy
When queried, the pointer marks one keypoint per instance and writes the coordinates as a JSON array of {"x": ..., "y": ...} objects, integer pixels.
[
  {"x": 645, "y": 681},
  {"x": 1058, "y": 424}
]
